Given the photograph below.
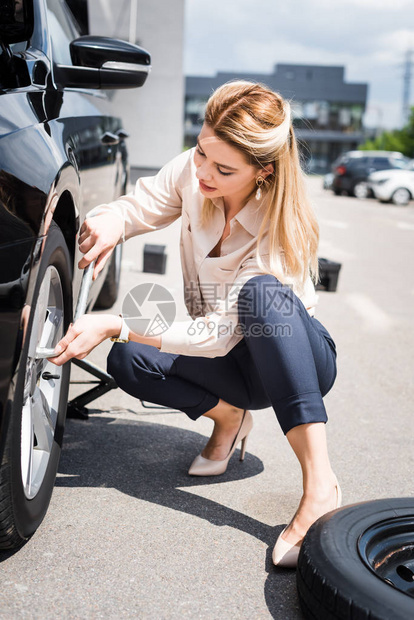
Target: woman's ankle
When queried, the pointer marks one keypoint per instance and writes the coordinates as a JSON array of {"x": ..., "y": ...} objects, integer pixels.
[
  {"x": 224, "y": 413},
  {"x": 320, "y": 489}
]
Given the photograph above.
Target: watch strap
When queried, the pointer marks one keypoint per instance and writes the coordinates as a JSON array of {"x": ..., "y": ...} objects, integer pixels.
[{"x": 124, "y": 334}]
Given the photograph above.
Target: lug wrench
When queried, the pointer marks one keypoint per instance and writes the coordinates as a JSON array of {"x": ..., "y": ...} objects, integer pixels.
[
  {"x": 45, "y": 352},
  {"x": 76, "y": 407}
]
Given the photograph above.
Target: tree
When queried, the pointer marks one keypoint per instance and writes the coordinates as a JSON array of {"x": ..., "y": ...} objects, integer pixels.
[{"x": 401, "y": 140}]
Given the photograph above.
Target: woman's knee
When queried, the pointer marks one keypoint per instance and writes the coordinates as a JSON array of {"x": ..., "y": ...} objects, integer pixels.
[
  {"x": 327, "y": 380},
  {"x": 263, "y": 295}
]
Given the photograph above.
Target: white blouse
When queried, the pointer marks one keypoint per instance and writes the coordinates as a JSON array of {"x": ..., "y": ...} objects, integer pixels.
[{"x": 211, "y": 284}]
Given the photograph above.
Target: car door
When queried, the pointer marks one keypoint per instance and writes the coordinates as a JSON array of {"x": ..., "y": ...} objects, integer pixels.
[
  {"x": 50, "y": 139},
  {"x": 89, "y": 128}
]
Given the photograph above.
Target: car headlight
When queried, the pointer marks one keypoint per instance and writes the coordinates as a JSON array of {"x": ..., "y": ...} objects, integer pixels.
[{"x": 381, "y": 181}]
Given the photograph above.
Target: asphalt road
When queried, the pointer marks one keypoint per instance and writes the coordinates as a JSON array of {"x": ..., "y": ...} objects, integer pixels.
[{"x": 130, "y": 535}]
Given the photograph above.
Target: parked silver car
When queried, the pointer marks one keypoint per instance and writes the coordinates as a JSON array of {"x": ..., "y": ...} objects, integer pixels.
[{"x": 396, "y": 186}]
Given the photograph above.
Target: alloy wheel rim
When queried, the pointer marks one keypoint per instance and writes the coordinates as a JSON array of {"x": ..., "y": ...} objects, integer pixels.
[
  {"x": 401, "y": 197},
  {"x": 41, "y": 393},
  {"x": 361, "y": 191}
]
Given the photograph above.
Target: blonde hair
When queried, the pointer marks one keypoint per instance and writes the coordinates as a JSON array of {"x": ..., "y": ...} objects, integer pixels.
[{"x": 257, "y": 121}]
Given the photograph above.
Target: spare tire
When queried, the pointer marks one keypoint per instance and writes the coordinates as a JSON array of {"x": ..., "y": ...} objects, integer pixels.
[{"x": 357, "y": 563}]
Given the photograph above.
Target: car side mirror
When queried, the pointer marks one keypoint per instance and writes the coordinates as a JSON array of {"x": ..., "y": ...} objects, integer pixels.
[
  {"x": 16, "y": 21},
  {"x": 103, "y": 62}
]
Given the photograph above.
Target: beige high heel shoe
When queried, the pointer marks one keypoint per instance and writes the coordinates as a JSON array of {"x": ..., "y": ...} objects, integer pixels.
[
  {"x": 285, "y": 554},
  {"x": 207, "y": 467}
]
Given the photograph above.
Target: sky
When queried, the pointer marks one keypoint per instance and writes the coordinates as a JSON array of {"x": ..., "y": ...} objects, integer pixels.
[{"x": 370, "y": 38}]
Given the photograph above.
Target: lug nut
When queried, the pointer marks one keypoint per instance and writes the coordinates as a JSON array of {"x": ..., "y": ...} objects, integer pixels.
[{"x": 48, "y": 375}]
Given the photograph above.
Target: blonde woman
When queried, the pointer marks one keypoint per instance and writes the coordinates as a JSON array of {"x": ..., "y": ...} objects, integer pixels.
[{"x": 249, "y": 244}]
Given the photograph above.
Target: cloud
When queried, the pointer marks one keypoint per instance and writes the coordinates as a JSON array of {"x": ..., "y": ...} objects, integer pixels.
[
  {"x": 378, "y": 5},
  {"x": 368, "y": 37}
]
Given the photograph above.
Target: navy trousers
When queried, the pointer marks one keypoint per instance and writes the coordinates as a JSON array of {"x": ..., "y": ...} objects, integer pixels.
[{"x": 286, "y": 359}]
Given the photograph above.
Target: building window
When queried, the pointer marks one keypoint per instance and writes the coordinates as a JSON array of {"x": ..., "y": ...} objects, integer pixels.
[
  {"x": 310, "y": 110},
  {"x": 323, "y": 114},
  {"x": 194, "y": 111},
  {"x": 297, "y": 109},
  {"x": 344, "y": 117}
]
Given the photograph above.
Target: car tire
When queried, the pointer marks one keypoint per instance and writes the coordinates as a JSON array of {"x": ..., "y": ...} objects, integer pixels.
[
  {"x": 337, "y": 191},
  {"x": 343, "y": 554},
  {"x": 361, "y": 191},
  {"x": 33, "y": 430},
  {"x": 110, "y": 289},
  {"x": 401, "y": 197}
]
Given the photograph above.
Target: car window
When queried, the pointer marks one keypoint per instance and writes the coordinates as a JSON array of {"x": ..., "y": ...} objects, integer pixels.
[
  {"x": 381, "y": 163},
  {"x": 62, "y": 31},
  {"x": 402, "y": 163},
  {"x": 358, "y": 163},
  {"x": 342, "y": 159}
]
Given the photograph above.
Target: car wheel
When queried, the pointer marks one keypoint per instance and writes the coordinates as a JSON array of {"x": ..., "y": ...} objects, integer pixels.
[
  {"x": 37, "y": 407},
  {"x": 110, "y": 289},
  {"x": 401, "y": 197},
  {"x": 361, "y": 191},
  {"x": 337, "y": 191},
  {"x": 357, "y": 562}
]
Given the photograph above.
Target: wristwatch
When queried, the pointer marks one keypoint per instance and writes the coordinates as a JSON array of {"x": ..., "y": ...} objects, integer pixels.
[{"x": 124, "y": 335}]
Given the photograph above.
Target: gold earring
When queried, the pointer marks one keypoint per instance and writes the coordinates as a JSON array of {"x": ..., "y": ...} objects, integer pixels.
[{"x": 259, "y": 183}]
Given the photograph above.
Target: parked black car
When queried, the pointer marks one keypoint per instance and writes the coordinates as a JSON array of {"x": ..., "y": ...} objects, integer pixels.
[
  {"x": 351, "y": 170},
  {"x": 61, "y": 153}
]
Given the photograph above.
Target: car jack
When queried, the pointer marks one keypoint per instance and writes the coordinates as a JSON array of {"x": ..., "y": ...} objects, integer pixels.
[{"x": 76, "y": 406}]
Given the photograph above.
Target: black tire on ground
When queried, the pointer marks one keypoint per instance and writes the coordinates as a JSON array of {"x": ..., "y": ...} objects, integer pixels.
[
  {"x": 333, "y": 582},
  {"x": 20, "y": 516},
  {"x": 110, "y": 289},
  {"x": 337, "y": 191}
]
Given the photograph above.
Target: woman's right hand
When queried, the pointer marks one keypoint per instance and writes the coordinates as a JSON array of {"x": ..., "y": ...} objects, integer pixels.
[
  {"x": 98, "y": 236},
  {"x": 82, "y": 337}
]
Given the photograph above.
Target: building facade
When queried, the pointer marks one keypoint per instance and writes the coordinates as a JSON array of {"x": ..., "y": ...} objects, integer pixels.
[
  {"x": 327, "y": 111},
  {"x": 152, "y": 115}
]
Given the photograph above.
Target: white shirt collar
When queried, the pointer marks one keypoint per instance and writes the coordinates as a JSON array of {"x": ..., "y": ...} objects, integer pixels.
[{"x": 250, "y": 216}]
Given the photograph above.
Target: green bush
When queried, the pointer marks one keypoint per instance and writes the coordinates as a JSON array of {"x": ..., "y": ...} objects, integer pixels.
[{"x": 401, "y": 140}]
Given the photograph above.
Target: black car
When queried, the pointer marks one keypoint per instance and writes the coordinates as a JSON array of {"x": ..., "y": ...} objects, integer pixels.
[
  {"x": 351, "y": 170},
  {"x": 61, "y": 153}
]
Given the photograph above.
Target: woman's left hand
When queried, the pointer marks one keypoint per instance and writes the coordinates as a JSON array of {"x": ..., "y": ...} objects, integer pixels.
[{"x": 84, "y": 335}]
